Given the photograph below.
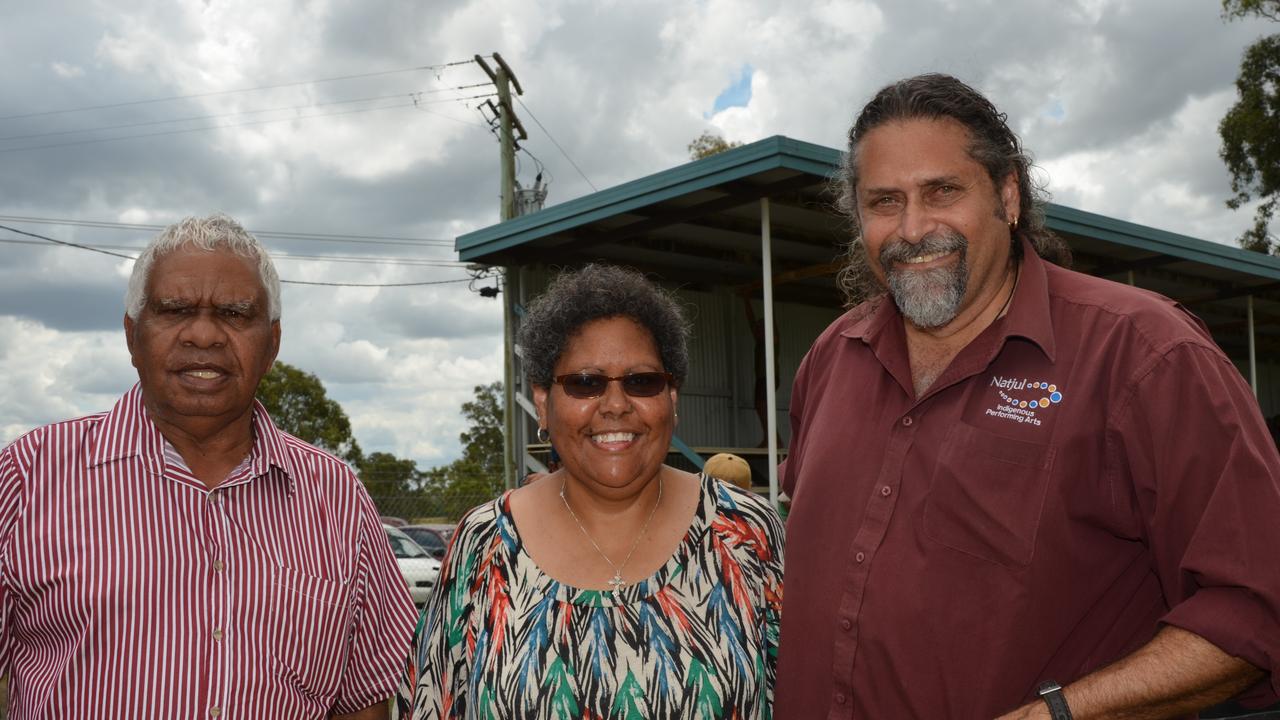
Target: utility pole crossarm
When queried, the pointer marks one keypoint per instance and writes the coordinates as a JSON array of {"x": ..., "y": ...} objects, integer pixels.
[{"x": 510, "y": 75}]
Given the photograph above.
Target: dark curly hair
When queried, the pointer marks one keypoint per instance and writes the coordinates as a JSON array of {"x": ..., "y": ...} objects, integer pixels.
[
  {"x": 595, "y": 292},
  {"x": 992, "y": 145}
]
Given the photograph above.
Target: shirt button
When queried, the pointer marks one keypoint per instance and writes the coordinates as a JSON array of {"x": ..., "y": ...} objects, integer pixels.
[
  {"x": 215, "y": 711},
  {"x": 841, "y": 699},
  {"x": 219, "y": 566},
  {"x": 217, "y": 634},
  {"x": 860, "y": 557},
  {"x": 906, "y": 421},
  {"x": 847, "y": 624},
  {"x": 886, "y": 491}
]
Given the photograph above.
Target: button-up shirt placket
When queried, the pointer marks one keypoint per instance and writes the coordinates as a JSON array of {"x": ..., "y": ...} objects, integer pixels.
[
  {"x": 217, "y": 533},
  {"x": 866, "y": 541},
  {"x": 176, "y": 582}
]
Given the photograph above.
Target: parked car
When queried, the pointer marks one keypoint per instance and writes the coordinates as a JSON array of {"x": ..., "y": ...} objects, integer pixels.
[
  {"x": 433, "y": 538},
  {"x": 419, "y": 569}
]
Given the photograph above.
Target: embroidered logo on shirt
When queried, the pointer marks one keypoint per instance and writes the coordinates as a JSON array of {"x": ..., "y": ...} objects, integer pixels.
[{"x": 1021, "y": 398}]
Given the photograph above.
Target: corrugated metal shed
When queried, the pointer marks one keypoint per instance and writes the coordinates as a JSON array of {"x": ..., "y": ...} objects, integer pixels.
[{"x": 697, "y": 228}]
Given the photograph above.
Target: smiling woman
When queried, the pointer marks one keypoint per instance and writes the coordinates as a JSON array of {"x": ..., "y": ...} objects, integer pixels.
[{"x": 618, "y": 585}]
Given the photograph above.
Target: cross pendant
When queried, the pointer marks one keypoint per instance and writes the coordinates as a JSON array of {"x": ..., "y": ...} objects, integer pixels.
[{"x": 616, "y": 583}]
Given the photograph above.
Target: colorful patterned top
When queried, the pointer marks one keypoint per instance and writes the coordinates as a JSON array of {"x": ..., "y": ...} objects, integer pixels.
[{"x": 697, "y": 639}]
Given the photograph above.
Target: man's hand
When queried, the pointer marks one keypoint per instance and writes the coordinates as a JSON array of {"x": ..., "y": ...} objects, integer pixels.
[
  {"x": 1175, "y": 674},
  {"x": 376, "y": 711}
]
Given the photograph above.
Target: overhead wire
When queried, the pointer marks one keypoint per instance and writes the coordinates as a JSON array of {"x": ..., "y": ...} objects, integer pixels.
[
  {"x": 416, "y": 102},
  {"x": 212, "y": 127},
  {"x": 554, "y": 142},
  {"x": 191, "y": 118},
  {"x": 460, "y": 121},
  {"x": 214, "y": 93},
  {"x": 290, "y": 282},
  {"x": 68, "y": 244},
  {"x": 280, "y": 255},
  {"x": 377, "y": 285},
  {"x": 323, "y": 237}
]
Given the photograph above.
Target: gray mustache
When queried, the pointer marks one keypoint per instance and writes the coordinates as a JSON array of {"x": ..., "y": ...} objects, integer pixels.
[{"x": 901, "y": 250}]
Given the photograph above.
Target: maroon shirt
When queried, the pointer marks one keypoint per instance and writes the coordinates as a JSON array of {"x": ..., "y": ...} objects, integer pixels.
[{"x": 1089, "y": 467}]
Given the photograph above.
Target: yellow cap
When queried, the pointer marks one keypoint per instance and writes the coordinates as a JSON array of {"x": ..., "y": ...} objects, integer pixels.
[{"x": 730, "y": 468}]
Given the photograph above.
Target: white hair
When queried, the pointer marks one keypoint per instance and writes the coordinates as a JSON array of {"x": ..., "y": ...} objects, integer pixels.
[{"x": 214, "y": 232}]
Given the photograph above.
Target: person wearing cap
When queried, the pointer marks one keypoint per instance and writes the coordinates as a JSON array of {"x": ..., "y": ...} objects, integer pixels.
[{"x": 729, "y": 468}]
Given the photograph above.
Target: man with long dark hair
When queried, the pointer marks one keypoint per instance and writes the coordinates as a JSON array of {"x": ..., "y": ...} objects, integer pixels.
[{"x": 1016, "y": 489}]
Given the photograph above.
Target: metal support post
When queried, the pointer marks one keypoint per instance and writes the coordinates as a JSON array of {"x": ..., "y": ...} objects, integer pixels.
[
  {"x": 1253, "y": 354},
  {"x": 770, "y": 372}
]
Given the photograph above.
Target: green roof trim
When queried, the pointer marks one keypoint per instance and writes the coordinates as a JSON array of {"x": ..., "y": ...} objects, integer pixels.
[
  {"x": 782, "y": 152},
  {"x": 1080, "y": 222},
  {"x": 768, "y": 154}
]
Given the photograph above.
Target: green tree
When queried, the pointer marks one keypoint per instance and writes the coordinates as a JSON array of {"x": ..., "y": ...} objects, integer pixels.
[
  {"x": 482, "y": 440},
  {"x": 476, "y": 476},
  {"x": 299, "y": 405},
  {"x": 708, "y": 144},
  {"x": 386, "y": 476},
  {"x": 1251, "y": 128}
]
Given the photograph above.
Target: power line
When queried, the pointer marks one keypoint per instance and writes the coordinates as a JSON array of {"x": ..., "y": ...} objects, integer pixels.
[
  {"x": 377, "y": 285},
  {"x": 277, "y": 255},
  {"x": 209, "y": 127},
  {"x": 214, "y": 93},
  {"x": 414, "y": 95},
  {"x": 322, "y": 237},
  {"x": 553, "y": 142},
  {"x": 290, "y": 282},
  {"x": 460, "y": 121},
  {"x": 68, "y": 244}
]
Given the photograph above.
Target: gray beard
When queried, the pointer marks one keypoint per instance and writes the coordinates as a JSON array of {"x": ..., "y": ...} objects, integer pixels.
[{"x": 927, "y": 298}]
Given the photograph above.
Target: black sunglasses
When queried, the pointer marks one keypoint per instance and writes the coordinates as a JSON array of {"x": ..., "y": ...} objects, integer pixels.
[{"x": 593, "y": 385}]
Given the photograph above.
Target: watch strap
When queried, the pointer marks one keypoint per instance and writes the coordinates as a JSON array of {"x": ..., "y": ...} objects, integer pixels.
[{"x": 1051, "y": 693}]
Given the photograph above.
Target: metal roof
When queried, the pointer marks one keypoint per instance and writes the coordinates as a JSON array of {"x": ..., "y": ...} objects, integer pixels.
[{"x": 699, "y": 224}]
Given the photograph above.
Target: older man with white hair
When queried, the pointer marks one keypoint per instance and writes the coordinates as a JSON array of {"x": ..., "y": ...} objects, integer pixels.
[{"x": 178, "y": 556}]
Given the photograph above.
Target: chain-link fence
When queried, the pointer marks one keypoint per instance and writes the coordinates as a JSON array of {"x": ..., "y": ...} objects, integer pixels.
[{"x": 442, "y": 508}]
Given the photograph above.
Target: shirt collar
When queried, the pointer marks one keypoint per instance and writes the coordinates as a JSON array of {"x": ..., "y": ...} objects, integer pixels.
[
  {"x": 269, "y": 448},
  {"x": 1028, "y": 316},
  {"x": 127, "y": 431}
]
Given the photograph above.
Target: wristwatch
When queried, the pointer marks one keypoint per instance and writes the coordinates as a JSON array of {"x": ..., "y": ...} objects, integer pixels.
[{"x": 1051, "y": 693}]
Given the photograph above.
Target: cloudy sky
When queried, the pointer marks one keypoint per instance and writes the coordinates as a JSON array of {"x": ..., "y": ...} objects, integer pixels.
[{"x": 310, "y": 118}]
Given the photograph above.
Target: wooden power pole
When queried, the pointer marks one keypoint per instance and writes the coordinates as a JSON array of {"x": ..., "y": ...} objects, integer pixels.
[
  {"x": 508, "y": 124},
  {"x": 503, "y": 79}
]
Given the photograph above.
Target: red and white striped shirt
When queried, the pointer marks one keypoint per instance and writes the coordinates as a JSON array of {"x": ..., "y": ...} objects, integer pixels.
[{"x": 130, "y": 590}]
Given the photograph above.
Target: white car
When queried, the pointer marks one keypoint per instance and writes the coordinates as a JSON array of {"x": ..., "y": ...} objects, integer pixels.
[{"x": 419, "y": 569}]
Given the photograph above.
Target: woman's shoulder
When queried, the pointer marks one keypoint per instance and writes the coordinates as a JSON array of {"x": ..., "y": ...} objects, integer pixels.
[
  {"x": 481, "y": 523},
  {"x": 740, "y": 506}
]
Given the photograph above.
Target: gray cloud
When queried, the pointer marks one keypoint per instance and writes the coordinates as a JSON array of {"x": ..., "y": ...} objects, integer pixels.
[{"x": 623, "y": 87}]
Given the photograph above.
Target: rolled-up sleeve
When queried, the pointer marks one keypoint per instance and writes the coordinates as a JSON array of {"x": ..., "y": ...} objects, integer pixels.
[
  {"x": 382, "y": 624},
  {"x": 1206, "y": 479}
]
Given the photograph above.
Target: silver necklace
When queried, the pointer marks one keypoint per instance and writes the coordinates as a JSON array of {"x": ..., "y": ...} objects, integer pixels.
[{"x": 616, "y": 583}]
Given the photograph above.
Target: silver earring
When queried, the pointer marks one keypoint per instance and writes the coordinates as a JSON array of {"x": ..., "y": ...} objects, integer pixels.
[{"x": 544, "y": 435}]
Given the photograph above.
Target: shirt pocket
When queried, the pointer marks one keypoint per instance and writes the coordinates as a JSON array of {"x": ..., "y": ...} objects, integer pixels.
[
  {"x": 310, "y": 618},
  {"x": 987, "y": 495}
]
